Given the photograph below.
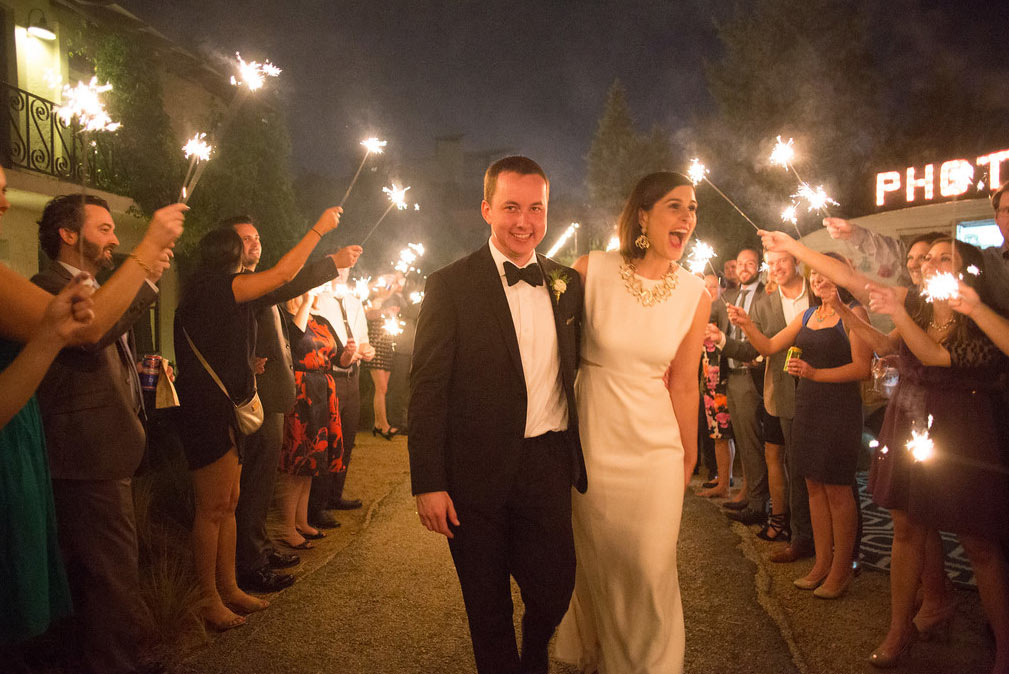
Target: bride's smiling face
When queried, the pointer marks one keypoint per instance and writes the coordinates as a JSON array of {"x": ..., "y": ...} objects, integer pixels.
[{"x": 670, "y": 221}]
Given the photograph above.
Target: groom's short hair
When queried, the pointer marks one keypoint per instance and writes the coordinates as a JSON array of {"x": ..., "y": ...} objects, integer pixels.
[{"x": 524, "y": 166}]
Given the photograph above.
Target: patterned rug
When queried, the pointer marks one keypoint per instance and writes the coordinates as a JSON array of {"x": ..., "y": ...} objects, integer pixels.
[{"x": 877, "y": 538}]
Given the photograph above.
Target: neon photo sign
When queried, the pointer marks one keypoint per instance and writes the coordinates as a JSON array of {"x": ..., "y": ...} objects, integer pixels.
[{"x": 956, "y": 177}]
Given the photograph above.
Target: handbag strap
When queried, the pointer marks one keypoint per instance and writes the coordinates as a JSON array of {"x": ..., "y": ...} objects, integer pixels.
[{"x": 206, "y": 365}]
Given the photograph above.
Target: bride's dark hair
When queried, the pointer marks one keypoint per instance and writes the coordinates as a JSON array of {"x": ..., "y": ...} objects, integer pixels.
[{"x": 649, "y": 189}]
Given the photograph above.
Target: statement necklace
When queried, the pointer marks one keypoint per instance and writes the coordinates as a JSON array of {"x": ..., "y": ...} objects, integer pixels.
[
  {"x": 822, "y": 315},
  {"x": 941, "y": 327},
  {"x": 647, "y": 298}
]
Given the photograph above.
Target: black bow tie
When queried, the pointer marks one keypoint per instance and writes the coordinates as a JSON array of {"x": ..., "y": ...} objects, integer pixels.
[{"x": 530, "y": 274}]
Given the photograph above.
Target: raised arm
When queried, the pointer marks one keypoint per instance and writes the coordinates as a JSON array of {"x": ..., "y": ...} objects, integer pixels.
[
  {"x": 761, "y": 342},
  {"x": 65, "y": 314},
  {"x": 150, "y": 257},
  {"x": 884, "y": 300},
  {"x": 248, "y": 287},
  {"x": 881, "y": 343},
  {"x": 836, "y": 270},
  {"x": 887, "y": 253},
  {"x": 991, "y": 323}
]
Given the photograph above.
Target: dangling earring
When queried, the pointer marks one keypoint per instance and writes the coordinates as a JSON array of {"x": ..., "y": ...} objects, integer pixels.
[{"x": 642, "y": 241}]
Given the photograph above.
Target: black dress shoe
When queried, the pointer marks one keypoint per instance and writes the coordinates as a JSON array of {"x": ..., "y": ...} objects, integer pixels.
[
  {"x": 735, "y": 505},
  {"x": 282, "y": 560},
  {"x": 748, "y": 516},
  {"x": 346, "y": 504},
  {"x": 321, "y": 521},
  {"x": 264, "y": 580}
]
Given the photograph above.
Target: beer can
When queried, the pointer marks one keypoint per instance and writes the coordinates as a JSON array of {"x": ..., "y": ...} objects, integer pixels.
[
  {"x": 149, "y": 371},
  {"x": 793, "y": 352}
]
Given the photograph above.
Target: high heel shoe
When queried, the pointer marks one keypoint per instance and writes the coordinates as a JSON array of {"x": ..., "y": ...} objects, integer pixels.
[
  {"x": 936, "y": 624},
  {"x": 388, "y": 435},
  {"x": 806, "y": 584},
  {"x": 776, "y": 529},
  {"x": 881, "y": 659},
  {"x": 823, "y": 593}
]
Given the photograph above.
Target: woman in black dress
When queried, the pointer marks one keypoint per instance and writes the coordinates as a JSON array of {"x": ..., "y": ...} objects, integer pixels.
[
  {"x": 827, "y": 426},
  {"x": 217, "y": 313},
  {"x": 385, "y": 304},
  {"x": 313, "y": 437},
  {"x": 955, "y": 375}
]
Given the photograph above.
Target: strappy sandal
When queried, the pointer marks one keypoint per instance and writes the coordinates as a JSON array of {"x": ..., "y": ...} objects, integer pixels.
[{"x": 776, "y": 529}]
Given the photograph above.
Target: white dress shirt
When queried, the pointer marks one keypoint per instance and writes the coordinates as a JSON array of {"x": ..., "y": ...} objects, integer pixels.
[
  {"x": 533, "y": 318},
  {"x": 329, "y": 308},
  {"x": 793, "y": 307}
]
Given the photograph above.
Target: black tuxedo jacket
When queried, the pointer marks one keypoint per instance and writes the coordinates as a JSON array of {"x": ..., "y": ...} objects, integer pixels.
[
  {"x": 467, "y": 389},
  {"x": 92, "y": 409}
]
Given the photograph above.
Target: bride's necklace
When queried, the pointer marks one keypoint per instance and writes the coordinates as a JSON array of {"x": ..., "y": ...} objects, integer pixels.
[{"x": 647, "y": 298}]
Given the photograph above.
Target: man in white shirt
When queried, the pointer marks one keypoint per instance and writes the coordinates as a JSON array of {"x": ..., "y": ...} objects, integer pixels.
[{"x": 493, "y": 439}]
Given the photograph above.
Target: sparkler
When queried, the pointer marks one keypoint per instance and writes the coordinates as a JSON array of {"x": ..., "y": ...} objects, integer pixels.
[
  {"x": 371, "y": 146},
  {"x": 788, "y": 214},
  {"x": 361, "y": 289},
  {"x": 197, "y": 151},
  {"x": 416, "y": 297},
  {"x": 973, "y": 270},
  {"x": 698, "y": 172},
  {"x": 941, "y": 287},
  {"x": 397, "y": 199},
  {"x": 700, "y": 256},
  {"x": 920, "y": 445},
  {"x": 393, "y": 326},
  {"x": 408, "y": 256},
  {"x": 816, "y": 198},
  {"x": 253, "y": 74},
  {"x": 568, "y": 233},
  {"x": 84, "y": 103},
  {"x": 613, "y": 243}
]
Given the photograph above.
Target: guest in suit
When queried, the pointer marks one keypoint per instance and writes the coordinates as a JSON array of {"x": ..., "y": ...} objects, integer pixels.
[
  {"x": 87, "y": 392},
  {"x": 255, "y": 556},
  {"x": 745, "y": 391},
  {"x": 789, "y": 520},
  {"x": 493, "y": 424},
  {"x": 217, "y": 317}
]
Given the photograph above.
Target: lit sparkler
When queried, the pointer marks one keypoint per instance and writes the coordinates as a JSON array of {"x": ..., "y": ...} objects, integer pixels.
[
  {"x": 700, "y": 256},
  {"x": 361, "y": 289},
  {"x": 253, "y": 74},
  {"x": 783, "y": 153},
  {"x": 371, "y": 146},
  {"x": 84, "y": 103},
  {"x": 397, "y": 199},
  {"x": 920, "y": 445},
  {"x": 407, "y": 257},
  {"x": 416, "y": 297},
  {"x": 698, "y": 172},
  {"x": 568, "y": 233},
  {"x": 816, "y": 198},
  {"x": 613, "y": 243},
  {"x": 789, "y": 214},
  {"x": 197, "y": 151},
  {"x": 393, "y": 326},
  {"x": 941, "y": 287},
  {"x": 973, "y": 270}
]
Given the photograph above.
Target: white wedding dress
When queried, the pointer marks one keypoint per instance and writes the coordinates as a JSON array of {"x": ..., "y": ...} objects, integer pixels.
[{"x": 625, "y": 615}]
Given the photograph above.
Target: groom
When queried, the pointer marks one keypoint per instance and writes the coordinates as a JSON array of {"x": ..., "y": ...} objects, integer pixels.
[{"x": 493, "y": 439}]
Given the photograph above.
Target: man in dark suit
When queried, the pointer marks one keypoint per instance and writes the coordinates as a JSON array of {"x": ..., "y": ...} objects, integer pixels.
[
  {"x": 744, "y": 389},
  {"x": 93, "y": 415},
  {"x": 493, "y": 439},
  {"x": 255, "y": 556}
]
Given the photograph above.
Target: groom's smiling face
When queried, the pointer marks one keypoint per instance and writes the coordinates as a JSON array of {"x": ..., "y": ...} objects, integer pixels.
[{"x": 517, "y": 214}]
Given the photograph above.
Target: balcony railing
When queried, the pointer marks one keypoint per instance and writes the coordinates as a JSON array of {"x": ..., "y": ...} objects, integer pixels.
[{"x": 36, "y": 139}]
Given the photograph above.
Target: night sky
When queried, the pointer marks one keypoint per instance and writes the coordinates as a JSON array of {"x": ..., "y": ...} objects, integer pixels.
[{"x": 528, "y": 76}]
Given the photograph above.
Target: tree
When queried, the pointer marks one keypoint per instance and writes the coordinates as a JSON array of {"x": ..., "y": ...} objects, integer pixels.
[{"x": 617, "y": 159}]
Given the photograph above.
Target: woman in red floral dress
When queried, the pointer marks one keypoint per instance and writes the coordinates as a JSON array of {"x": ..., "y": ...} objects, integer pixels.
[{"x": 313, "y": 440}]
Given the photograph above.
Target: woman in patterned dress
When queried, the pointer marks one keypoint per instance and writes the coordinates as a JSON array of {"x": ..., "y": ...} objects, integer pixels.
[
  {"x": 716, "y": 407},
  {"x": 313, "y": 439},
  {"x": 385, "y": 304}
]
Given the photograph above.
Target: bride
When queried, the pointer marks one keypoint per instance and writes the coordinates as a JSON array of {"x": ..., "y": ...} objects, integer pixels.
[{"x": 637, "y": 393}]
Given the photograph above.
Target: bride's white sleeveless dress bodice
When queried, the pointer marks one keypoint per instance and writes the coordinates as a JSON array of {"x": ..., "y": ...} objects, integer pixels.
[{"x": 625, "y": 615}]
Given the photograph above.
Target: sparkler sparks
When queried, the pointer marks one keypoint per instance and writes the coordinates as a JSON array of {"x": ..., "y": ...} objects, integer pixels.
[
  {"x": 397, "y": 195},
  {"x": 416, "y": 297},
  {"x": 973, "y": 270},
  {"x": 253, "y": 74},
  {"x": 789, "y": 214},
  {"x": 817, "y": 198},
  {"x": 920, "y": 445},
  {"x": 374, "y": 145},
  {"x": 408, "y": 256},
  {"x": 941, "y": 287},
  {"x": 84, "y": 103},
  {"x": 613, "y": 243},
  {"x": 697, "y": 171},
  {"x": 700, "y": 256},
  {"x": 568, "y": 233},
  {"x": 197, "y": 151},
  {"x": 783, "y": 153},
  {"x": 393, "y": 326},
  {"x": 198, "y": 147},
  {"x": 361, "y": 289}
]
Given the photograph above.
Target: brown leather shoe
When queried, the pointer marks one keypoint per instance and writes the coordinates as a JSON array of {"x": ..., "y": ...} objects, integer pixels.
[{"x": 793, "y": 553}]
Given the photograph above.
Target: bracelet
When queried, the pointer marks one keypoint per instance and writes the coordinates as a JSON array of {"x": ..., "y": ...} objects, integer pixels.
[
  {"x": 147, "y": 268},
  {"x": 316, "y": 232}
]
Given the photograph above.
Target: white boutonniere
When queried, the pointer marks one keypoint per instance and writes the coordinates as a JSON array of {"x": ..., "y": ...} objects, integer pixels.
[{"x": 558, "y": 283}]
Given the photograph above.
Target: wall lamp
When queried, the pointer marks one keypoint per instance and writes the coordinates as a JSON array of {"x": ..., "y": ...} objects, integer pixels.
[{"x": 39, "y": 27}]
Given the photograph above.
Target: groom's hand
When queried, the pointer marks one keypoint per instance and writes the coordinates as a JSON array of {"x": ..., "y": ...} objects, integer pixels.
[{"x": 436, "y": 512}]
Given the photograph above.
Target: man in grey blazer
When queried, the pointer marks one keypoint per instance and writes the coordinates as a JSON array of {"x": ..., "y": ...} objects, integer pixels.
[
  {"x": 93, "y": 416},
  {"x": 775, "y": 311}
]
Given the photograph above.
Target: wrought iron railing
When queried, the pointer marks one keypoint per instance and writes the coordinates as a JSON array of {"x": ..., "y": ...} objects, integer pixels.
[{"x": 33, "y": 137}]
